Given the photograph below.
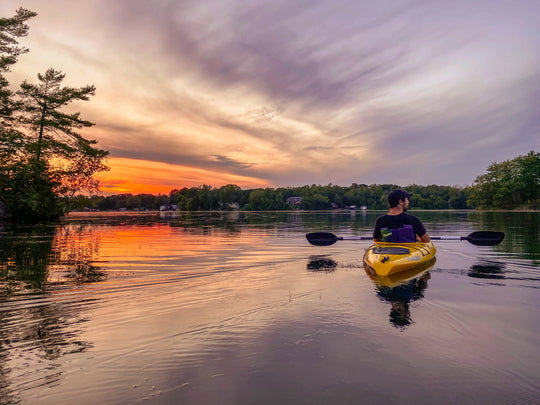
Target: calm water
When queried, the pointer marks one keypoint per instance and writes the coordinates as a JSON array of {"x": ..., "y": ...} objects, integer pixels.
[{"x": 237, "y": 308}]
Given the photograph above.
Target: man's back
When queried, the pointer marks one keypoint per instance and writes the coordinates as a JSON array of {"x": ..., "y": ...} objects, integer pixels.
[{"x": 398, "y": 228}]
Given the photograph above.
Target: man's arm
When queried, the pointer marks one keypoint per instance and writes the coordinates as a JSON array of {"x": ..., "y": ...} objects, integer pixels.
[
  {"x": 377, "y": 231},
  {"x": 421, "y": 232}
]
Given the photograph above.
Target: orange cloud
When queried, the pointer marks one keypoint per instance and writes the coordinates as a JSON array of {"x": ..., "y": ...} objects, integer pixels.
[{"x": 144, "y": 176}]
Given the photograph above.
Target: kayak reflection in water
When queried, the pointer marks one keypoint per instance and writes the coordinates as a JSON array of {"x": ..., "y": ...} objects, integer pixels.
[
  {"x": 400, "y": 297},
  {"x": 400, "y": 290}
]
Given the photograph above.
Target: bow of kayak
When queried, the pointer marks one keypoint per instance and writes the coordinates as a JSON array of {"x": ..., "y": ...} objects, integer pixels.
[{"x": 385, "y": 258}]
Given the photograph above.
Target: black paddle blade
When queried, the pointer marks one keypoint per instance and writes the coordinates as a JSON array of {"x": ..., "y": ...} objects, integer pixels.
[
  {"x": 321, "y": 238},
  {"x": 485, "y": 238}
]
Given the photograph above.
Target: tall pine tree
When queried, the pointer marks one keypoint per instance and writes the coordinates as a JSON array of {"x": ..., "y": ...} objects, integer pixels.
[{"x": 44, "y": 161}]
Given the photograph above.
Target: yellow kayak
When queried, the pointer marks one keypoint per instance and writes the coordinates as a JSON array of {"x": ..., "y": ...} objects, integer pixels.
[{"x": 385, "y": 258}]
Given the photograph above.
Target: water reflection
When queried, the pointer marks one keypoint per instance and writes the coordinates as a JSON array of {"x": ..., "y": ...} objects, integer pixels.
[
  {"x": 400, "y": 290},
  {"x": 76, "y": 247},
  {"x": 199, "y": 303},
  {"x": 36, "y": 328},
  {"x": 488, "y": 270},
  {"x": 522, "y": 231},
  {"x": 32, "y": 340},
  {"x": 521, "y": 228},
  {"x": 321, "y": 263},
  {"x": 25, "y": 254},
  {"x": 33, "y": 258}
]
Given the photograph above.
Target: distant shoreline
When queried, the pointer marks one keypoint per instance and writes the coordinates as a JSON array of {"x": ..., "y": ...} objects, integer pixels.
[{"x": 79, "y": 213}]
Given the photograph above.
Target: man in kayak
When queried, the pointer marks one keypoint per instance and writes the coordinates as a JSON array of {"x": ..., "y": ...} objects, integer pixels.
[{"x": 397, "y": 226}]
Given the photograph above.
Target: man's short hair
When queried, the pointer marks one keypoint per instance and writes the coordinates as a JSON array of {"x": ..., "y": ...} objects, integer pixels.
[{"x": 396, "y": 196}]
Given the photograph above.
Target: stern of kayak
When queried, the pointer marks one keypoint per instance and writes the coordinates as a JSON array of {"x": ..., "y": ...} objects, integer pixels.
[{"x": 384, "y": 259}]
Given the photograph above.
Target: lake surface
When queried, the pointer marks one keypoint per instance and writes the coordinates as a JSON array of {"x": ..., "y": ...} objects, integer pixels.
[{"x": 238, "y": 308}]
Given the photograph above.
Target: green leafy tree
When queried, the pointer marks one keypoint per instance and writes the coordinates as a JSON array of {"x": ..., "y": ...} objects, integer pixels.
[
  {"x": 229, "y": 194},
  {"x": 316, "y": 201},
  {"x": 28, "y": 194},
  {"x": 266, "y": 199},
  {"x": 458, "y": 199},
  {"x": 508, "y": 185},
  {"x": 528, "y": 181}
]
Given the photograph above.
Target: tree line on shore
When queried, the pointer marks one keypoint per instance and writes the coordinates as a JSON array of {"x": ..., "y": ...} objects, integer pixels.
[
  {"x": 512, "y": 184},
  {"x": 312, "y": 197}
]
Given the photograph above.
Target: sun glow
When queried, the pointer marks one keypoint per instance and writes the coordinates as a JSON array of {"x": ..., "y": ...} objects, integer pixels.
[{"x": 143, "y": 176}]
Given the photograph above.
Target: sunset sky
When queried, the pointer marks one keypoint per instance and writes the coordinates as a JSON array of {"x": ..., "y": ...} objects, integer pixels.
[{"x": 272, "y": 93}]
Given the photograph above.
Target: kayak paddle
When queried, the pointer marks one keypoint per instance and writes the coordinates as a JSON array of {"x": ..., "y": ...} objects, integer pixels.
[
  {"x": 480, "y": 238},
  {"x": 327, "y": 238}
]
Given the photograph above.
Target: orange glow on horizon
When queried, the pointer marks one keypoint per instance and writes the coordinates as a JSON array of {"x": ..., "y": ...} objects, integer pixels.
[{"x": 149, "y": 177}]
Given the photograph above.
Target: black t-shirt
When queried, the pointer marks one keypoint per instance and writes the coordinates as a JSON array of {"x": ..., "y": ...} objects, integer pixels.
[{"x": 388, "y": 224}]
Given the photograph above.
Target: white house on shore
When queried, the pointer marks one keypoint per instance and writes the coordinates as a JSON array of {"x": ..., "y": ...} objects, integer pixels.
[{"x": 168, "y": 207}]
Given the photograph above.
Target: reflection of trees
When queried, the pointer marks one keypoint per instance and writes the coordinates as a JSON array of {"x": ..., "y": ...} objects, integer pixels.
[
  {"x": 34, "y": 333},
  {"x": 235, "y": 221},
  {"x": 33, "y": 257},
  {"x": 25, "y": 254},
  {"x": 522, "y": 230},
  {"x": 75, "y": 248}
]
